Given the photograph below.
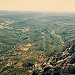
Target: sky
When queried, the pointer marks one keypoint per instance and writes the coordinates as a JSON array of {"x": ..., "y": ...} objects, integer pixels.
[{"x": 38, "y": 5}]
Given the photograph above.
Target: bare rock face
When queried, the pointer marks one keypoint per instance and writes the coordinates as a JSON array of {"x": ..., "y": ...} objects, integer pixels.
[{"x": 62, "y": 63}]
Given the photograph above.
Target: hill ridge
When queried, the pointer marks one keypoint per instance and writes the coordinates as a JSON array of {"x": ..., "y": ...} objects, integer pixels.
[{"x": 63, "y": 63}]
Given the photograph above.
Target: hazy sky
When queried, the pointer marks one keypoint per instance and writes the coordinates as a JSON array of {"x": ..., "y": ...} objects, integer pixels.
[{"x": 38, "y": 5}]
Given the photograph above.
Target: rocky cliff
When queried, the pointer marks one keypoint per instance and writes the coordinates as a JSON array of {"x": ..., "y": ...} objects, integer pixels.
[{"x": 63, "y": 63}]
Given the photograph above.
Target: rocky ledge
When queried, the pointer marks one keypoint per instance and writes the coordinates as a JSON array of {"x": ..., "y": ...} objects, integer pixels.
[{"x": 63, "y": 63}]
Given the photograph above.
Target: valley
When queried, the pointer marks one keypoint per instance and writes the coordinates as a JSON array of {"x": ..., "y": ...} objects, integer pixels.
[{"x": 30, "y": 38}]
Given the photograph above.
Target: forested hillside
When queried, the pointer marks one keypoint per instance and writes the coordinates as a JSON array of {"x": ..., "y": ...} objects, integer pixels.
[{"x": 28, "y": 38}]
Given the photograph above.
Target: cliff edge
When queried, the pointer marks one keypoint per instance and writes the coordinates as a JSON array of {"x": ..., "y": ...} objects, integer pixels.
[{"x": 63, "y": 63}]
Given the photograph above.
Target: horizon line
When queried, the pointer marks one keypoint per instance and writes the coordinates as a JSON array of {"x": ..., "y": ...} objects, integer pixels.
[{"x": 39, "y": 11}]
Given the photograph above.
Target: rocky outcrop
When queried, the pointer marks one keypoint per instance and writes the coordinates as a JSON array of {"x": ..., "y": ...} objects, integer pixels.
[{"x": 63, "y": 63}]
